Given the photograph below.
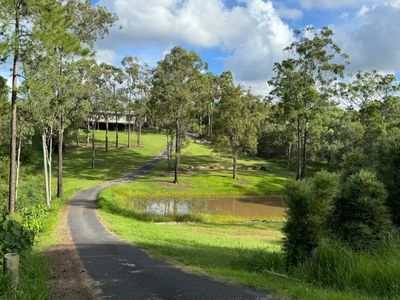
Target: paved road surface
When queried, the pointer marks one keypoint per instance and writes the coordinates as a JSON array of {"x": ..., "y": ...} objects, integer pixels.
[{"x": 123, "y": 271}]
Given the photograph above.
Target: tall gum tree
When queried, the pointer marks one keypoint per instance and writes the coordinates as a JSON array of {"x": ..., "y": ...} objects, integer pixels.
[
  {"x": 236, "y": 120},
  {"x": 304, "y": 84},
  {"x": 86, "y": 23},
  {"x": 131, "y": 69},
  {"x": 174, "y": 91}
]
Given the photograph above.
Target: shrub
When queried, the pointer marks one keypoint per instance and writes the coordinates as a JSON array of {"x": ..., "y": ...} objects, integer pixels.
[
  {"x": 14, "y": 237},
  {"x": 308, "y": 204},
  {"x": 360, "y": 218},
  {"x": 322, "y": 189},
  {"x": 388, "y": 166},
  {"x": 353, "y": 162},
  {"x": 33, "y": 217}
]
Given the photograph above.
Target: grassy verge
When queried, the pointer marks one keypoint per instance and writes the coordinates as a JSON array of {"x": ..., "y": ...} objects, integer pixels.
[
  {"x": 234, "y": 252},
  {"x": 239, "y": 251},
  {"x": 35, "y": 270}
]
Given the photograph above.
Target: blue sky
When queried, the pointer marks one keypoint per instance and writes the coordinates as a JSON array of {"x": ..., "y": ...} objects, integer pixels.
[{"x": 247, "y": 36}]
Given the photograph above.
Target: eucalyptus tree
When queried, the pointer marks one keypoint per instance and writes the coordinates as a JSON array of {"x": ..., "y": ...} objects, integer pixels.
[
  {"x": 4, "y": 112},
  {"x": 131, "y": 69},
  {"x": 25, "y": 132},
  {"x": 142, "y": 94},
  {"x": 20, "y": 36},
  {"x": 111, "y": 78},
  {"x": 117, "y": 99},
  {"x": 43, "y": 112},
  {"x": 174, "y": 89},
  {"x": 139, "y": 88},
  {"x": 236, "y": 120},
  {"x": 85, "y": 24},
  {"x": 304, "y": 84},
  {"x": 91, "y": 85},
  {"x": 367, "y": 87}
]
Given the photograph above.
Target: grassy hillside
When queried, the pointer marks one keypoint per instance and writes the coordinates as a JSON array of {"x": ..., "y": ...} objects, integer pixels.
[{"x": 237, "y": 250}]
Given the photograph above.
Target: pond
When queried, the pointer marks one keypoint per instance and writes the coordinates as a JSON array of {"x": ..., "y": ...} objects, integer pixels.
[{"x": 255, "y": 207}]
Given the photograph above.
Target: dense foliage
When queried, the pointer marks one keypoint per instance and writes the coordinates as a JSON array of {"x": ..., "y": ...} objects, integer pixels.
[
  {"x": 360, "y": 217},
  {"x": 14, "y": 237},
  {"x": 309, "y": 206}
]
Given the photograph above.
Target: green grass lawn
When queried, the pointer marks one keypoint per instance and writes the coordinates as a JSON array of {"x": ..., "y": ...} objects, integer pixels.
[
  {"x": 35, "y": 270},
  {"x": 233, "y": 252},
  {"x": 225, "y": 248},
  {"x": 197, "y": 179},
  {"x": 108, "y": 165}
]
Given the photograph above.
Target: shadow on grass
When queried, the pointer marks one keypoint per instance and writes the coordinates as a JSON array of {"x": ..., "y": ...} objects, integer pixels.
[{"x": 108, "y": 165}]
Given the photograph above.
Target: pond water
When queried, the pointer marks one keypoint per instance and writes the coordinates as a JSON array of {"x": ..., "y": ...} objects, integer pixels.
[{"x": 255, "y": 207}]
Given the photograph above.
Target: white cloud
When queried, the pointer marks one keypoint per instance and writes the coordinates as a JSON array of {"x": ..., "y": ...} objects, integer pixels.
[
  {"x": 372, "y": 39},
  {"x": 289, "y": 13},
  {"x": 254, "y": 58},
  {"x": 106, "y": 56},
  {"x": 253, "y": 32},
  {"x": 197, "y": 22},
  {"x": 333, "y": 3}
]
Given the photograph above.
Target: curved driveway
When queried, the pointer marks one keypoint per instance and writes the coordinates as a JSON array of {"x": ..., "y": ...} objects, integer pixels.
[{"x": 123, "y": 271}]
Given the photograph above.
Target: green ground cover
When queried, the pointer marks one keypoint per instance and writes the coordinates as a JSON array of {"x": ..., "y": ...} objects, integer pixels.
[
  {"x": 197, "y": 178},
  {"x": 35, "y": 269},
  {"x": 239, "y": 251}
]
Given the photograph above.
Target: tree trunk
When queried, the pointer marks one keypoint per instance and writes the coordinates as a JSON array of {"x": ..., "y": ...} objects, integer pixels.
[
  {"x": 93, "y": 153},
  {"x": 46, "y": 177},
  {"x": 304, "y": 155},
  {"x": 49, "y": 160},
  {"x": 129, "y": 127},
  {"x": 13, "y": 125},
  {"x": 60, "y": 191},
  {"x": 77, "y": 137},
  {"x": 169, "y": 152},
  {"x": 116, "y": 130},
  {"x": 210, "y": 120},
  {"x": 298, "y": 165},
  {"x": 18, "y": 169},
  {"x": 234, "y": 159},
  {"x": 289, "y": 154},
  {"x": 177, "y": 157},
  {"x": 87, "y": 133},
  {"x": 200, "y": 131},
  {"x": 139, "y": 134},
  {"x": 106, "y": 134}
]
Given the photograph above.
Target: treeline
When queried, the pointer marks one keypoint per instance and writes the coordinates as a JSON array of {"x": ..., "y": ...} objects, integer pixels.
[
  {"x": 342, "y": 228},
  {"x": 43, "y": 40}
]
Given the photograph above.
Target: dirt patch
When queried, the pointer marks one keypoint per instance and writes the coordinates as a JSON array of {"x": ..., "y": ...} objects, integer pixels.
[
  {"x": 179, "y": 186},
  {"x": 69, "y": 278},
  {"x": 242, "y": 181}
]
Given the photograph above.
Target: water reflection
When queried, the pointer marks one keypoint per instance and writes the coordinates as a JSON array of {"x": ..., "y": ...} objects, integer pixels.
[{"x": 243, "y": 206}]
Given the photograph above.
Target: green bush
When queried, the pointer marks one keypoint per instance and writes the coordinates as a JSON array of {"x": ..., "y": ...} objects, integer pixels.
[
  {"x": 353, "y": 162},
  {"x": 388, "y": 166},
  {"x": 14, "y": 237},
  {"x": 33, "y": 218},
  {"x": 308, "y": 204},
  {"x": 360, "y": 218}
]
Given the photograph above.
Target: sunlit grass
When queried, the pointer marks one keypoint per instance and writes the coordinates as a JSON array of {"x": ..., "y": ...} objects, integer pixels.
[
  {"x": 219, "y": 249},
  {"x": 226, "y": 247},
  {"x": 35, "y": 269},
  {"x": 195, "y": 181}
]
